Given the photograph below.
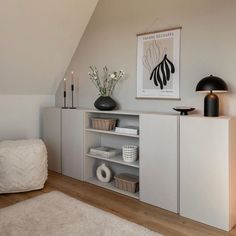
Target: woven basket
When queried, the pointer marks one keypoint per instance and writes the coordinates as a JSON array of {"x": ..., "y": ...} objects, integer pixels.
[
  {"x": 127, "y": 182},
  {"x": 103, "y": 123},
  {"x": 130, "y": 153}
]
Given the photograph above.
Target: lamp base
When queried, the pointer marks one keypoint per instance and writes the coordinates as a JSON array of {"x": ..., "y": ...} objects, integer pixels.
[{"x": 211, "y": 105}]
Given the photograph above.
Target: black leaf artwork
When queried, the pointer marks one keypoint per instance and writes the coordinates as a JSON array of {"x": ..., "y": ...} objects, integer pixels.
[{"x": 161, "y": 73}]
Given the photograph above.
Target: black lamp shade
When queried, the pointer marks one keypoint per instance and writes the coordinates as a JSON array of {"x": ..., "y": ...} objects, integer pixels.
[
  {"x": 212, "y": 83},
  {"x": 211, "y": 102}
]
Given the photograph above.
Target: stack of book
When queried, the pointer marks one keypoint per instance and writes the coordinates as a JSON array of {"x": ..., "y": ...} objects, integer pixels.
[
  {"x": 106, "y": 152},
  {"x": 128, "y": 130}
]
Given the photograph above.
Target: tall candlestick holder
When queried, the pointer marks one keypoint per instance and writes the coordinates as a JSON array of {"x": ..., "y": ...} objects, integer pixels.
[
  {"x": 64, "y": 107},
  {"x": 72, "y": 97}
]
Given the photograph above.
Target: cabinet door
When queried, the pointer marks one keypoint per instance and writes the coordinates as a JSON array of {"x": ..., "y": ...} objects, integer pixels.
[
  {"x": 204, "y": 172},
  {"x": 52, "y": 137},
  {"x": 72, "y": 143},
  {"x": 159, "y": 160}
]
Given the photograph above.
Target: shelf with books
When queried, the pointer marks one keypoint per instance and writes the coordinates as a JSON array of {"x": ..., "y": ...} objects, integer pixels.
[
  {"x": 127, "y": 130},
  {"x": 100, "y": 147}
]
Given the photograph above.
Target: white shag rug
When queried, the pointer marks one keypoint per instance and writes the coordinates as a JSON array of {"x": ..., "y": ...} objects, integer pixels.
[{"x": 57, "y": 214}]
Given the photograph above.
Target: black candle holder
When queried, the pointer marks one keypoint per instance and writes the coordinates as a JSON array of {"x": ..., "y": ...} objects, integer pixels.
[
  {"x": 64, "y": 107},
  {"x": 72, "y": 97}
]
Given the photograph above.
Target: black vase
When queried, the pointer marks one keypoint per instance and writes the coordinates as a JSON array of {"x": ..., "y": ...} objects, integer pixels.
[{"x": 105, "y": 103}]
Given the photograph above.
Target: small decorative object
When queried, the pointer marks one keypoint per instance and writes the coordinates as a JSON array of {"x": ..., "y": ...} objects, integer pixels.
[
  {"x": 105, "y": 87},
  {"x": 72, "y": 90},
  {"x": 103, "y": 173},
  {"x": 106, "y": 152},
  {"x": 128, "y": 130},
  {"x": 127, "y": 182},
  {"x": 103, "y": 123},
  {"x": 130, "y": 153},
  {"x": 105, "y": 103},
  {"x": 158, "y": 64},
  {"x": 64, "y": 94},
  {"x": 184, "y": 110},
  {"x": 211, "y": 84}
]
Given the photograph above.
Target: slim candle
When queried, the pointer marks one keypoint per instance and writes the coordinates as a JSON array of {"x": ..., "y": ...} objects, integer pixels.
[
  {"x": 64, "y": 84},
  {"x": 72, "y": 78},
  {"x": 64, "y": 93},
  {"x": 72, "y": 90}
]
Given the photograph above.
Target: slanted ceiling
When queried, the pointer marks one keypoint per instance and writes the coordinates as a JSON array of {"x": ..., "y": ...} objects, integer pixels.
[{"x": 37, "y": 42}]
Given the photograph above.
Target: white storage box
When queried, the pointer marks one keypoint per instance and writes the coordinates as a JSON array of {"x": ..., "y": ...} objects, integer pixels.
[
  {"x": 130, "y": 153},
  {"x": 106, "y": 152}
]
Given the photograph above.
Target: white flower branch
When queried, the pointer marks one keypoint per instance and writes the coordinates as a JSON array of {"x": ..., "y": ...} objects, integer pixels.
[{"x": 107, "y": 84}]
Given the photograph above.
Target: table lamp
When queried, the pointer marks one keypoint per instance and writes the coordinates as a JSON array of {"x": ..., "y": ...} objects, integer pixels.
[{"x": 212, "y": 85}]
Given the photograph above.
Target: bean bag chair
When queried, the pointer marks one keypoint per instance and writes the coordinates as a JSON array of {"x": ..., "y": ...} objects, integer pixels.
[{"x": 23, "y": 165}]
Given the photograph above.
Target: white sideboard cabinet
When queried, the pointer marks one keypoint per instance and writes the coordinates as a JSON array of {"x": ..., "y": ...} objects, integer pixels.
[
  {"x": 208, "y": 170},
  {"x": 187, "y": 164},
  {"x": 159, "y": 160},
  {"x": 157, "y": 166}
]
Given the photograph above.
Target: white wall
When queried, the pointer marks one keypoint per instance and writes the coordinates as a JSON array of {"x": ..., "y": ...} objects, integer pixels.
[
  {"x": 37, "y": 42},
  {"x": 208, "y": 46},
  {"x": 38, "y": 39},
  {"x": 21, "y": 115}
]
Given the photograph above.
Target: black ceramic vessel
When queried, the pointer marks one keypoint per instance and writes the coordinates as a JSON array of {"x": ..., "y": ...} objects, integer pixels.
[
  {"x": 184, "y": 110},
  {"x": 105, "y": 103}
]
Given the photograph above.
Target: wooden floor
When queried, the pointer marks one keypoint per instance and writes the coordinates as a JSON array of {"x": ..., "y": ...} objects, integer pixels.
[{"x": 156, "y": 219}]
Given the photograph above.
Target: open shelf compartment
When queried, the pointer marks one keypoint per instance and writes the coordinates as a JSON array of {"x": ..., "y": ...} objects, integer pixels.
[
  {"x": 111, "y": 186},
  {"x": 97, "y": 138}
]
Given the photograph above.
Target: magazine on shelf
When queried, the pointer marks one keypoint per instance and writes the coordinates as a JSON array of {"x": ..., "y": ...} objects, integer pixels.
[
  {"x": 106, "y": 152},
  {"x": 127, "y": 130}
]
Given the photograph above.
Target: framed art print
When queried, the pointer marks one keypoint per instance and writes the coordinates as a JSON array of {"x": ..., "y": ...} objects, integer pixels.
[{"x": 158, "y": 66}]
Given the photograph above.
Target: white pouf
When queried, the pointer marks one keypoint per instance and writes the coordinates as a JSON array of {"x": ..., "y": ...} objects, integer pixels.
[{"x": 23, "y": 165}]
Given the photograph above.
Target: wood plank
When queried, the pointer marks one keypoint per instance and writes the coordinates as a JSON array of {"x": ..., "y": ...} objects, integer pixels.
[{"x": 162, "y": 221}]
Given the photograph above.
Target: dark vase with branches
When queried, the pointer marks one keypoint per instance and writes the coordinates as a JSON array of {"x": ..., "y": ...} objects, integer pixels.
[{"x": 105, "y": 86}]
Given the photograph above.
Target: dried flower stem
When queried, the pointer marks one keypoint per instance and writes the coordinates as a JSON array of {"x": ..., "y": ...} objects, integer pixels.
[{"x": 108, "y": 82}]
